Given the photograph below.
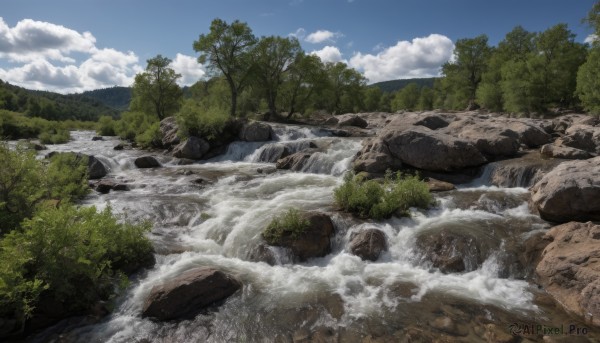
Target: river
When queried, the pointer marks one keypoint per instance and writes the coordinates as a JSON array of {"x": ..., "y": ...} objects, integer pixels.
[{"x": 212, "y": 214}]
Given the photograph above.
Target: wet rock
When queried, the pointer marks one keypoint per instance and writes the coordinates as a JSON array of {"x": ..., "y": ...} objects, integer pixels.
[
  {"x": 452, "y": 250},
  {"x": 262, "y": 253},
  {"x": 96, "y": 169},
  {"x": 146, "y": 162},
  {"x": 569, "y": 192},
  {"x": 37, "y": 146},
  {"x": 255, "y": 132},
  {"x": 375, "y": 157},
  {"x": 570, "y": 268},
  {"x": 168, "y": 130},
  {"x": 447, "y": 325},
  {"x": 97, "y": 138},
  {"x": 330, "y": 121},
  {"x": 351, "y": 120},
  {"x": 193, "y": 148},
  {"x": 556, "y": 151},
  {"x": 188, "y": 293},
  {"x": 314, "y": 241},
  {"x": 340, "y": 133},
  {"x": 432, "y": 150},
  {"x": 266, "y": 170},
  {"x": 368, "y": 244},
  {"x": 499, "y": 334},
  {"x": 523, "y": 171},
  {"x": 119, "y": 146},
  {"x": 296, "y": 161},
  {"x": 105, "y": 186},
  {"x": 438, "y": 186}
]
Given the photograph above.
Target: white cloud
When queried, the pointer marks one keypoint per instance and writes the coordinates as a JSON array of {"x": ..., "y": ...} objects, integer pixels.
[
  {"x": 591, "y": 39},
  {"x": 321, "y": 36},
  {"x": 191, "y": 71},
  {"x": 300, "y": 33},
  {"x": 329, "y": 54},
  {"x": 422, "y": 57}
]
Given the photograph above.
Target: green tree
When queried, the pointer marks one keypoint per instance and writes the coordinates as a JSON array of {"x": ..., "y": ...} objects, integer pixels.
[
  {"x": 407, "y": 98},
  {"x": 344, "y": 88},
  {"x": 588, "y": 82},
  {"x": 227, "y": 48},
  {"x": 305, "y": 77},
  {"x": 372, "y": 96},
  {"x": 425, "y": 99},
  {"x": 464, "y": 73},
  {"x": 273, "y": 57},
  {"x": 155, "y": 91}
]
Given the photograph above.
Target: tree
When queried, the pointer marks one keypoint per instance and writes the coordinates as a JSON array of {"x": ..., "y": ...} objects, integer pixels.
[
  {"x": 425, "y": 99},
  {"x": 227, "y": 48},
  {"x": 155, "y": 91},
  {"x": 305, "y": 76},
  {"x": 465, "y": 72},
  {"x": 593, "y": 17},
  {"x": 344, "y": 88},
  {"x": 588, "y": 82},
  {"x": 407, "y": 98},
  {"x": 273, "y": 57}
]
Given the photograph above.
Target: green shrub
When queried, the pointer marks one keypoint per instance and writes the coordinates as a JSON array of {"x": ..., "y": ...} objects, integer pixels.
[
  {"x": 106, "y": 126},
  {"x": 133, "y": 124},
  {"x": 201, "y": 120},
  {"x": 151, "y": 137},
  {"x": 74, "y": 256},
  {"x": 371, "y": 199},
  {"x": 291, "y": 222},
  {"x": 54, "y": 137},
  {"x": 66, "y": 177}
]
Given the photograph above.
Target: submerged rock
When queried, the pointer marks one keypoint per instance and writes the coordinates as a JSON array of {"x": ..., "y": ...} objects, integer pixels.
[
  {"x": 368, "y": 244},
  {"x": 570, "y": 268},
  {"x": 146, "y": 162},
  {"x": 188, "y": 293},
  {"x": 569, "y": 192}
]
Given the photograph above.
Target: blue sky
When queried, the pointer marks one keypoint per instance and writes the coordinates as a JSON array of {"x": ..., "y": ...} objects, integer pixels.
[{"x": 75, "y": 45}]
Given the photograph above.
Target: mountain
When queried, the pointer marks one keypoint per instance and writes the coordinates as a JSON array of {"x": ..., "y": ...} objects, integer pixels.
[
  {"x": 52, "y": 106},
  {"x": 396, "y": 85},
  {"x": 116, "y": 97}
]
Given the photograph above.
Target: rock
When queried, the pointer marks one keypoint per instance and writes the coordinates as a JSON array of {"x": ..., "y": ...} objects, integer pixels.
[
  {"x": 453, "y": 250},
  {"x": 146, "y": 162},
  {"x": 570, "y": 268},
  {"x": 192, "y": 148},
  {"x": 330, "y": 121},
  {"x": 523, "y": 171},
  {"x": 313, "y": 242},
  {"x": 105, "y": 186},
  {"x": 119, "y": 146},
  {"x": 555, "y": 151},
  {"x": 447, "y": 325},
  {"x": 583, "y": 137},
  {"x": 569, "y": 192},
  {"x": 490, "y": 140},
  {"x": 425, "y": 149},
  {"x": 375, "y": 157},
  {"x": 255, "y": 132},
  {"x": 97, "y": 138},
  {"x": 168, "y": 129},
  {"x": 368, "y": 244},
  {"x": 351, "y": 120},
  {"x": 96, "y": 169},
  {"x": 262, "y": 253},
  {"x": 433, "y": 121},
  {"x": 38, "y": 146},
  {"x": 188, "y": 293},
  {"x": 295, "y": 161},
  {"x": 438, "y": 186},
  {"x": 499, "y": 334}
]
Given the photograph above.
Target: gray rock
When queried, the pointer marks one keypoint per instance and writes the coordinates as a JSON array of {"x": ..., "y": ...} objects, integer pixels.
[
  {"x": 168, "y": 129},
  {"x": 255, "y": 132},
  {"x": 351, "y": 120},
  {"x": 96, "y": 169},
  {"x": 193, "y": 148},
  {"x": 146, "y": 162},
  {"x": 556, "y": 151},
  {"x": 569, "y": 192},
  {"x": 368, "y": 244}
]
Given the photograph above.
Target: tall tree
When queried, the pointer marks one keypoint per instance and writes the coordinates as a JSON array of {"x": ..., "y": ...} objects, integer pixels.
[
  {"x": 155, "y": 91},
  {"x": 273, "y": 57},
  {"x": 588, "y": 76},
  {"x": 227, "y": 48},
  {"x": 470, "y": 62},
  {"x": 407, "y": 98},
  {"x": 344, "y": 88},
  {"x": 305, "y": 77}
]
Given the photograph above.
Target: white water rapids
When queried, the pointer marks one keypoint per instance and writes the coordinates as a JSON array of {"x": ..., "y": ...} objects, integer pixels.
[{"x": 217, "y": 222}]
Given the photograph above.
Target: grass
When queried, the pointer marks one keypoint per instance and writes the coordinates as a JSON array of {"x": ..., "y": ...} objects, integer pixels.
[{"x": 291, "y": 222}]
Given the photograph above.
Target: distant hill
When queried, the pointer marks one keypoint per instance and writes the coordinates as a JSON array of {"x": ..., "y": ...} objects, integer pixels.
[
  {"x": 396, "y": 85},
  {"x": 52, "y": 106},
  {"x": 117, "y": 98}
]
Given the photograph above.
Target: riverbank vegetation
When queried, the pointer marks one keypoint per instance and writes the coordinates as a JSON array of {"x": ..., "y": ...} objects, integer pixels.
[{"x": 52, "y": 251}]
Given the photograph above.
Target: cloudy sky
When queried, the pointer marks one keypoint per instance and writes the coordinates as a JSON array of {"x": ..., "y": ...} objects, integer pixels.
[{"x": 74, "y": 45}]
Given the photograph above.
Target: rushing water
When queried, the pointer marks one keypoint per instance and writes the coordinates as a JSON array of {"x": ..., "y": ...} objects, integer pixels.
[{"x": 212, "y": 214}]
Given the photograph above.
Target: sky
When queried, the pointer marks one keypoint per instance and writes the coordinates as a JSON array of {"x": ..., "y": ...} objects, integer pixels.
[{"x": 70, "y": 46}]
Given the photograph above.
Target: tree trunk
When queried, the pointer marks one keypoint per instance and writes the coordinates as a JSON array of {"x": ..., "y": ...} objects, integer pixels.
[{"x": 233, "y": 102}]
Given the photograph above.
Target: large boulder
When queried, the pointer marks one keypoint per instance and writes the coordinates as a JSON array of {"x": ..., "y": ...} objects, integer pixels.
[
  {"x": 523, "y": 171},
  {"x": 296, "y": 161},
  {"x": 570, "y": 268},
  {"x": 491, "y": 140},
  {"x": 168, "y": 129},
  {"x": 565, "y": 152},
  {"x": 96, "y": 169},
  {"x": 368, "y": 244},
  {"x": 431, "y": 150},
  {"x": 375, "y": 157},
  {"x": 193, "y": 148},
  {"x": 583, "y": 137},
  {"x": 188, "y": 293},
  {"x": 314, "y": 241},
  {"x": 146, "y": 162},
  {"x": 351, "y": 120},
  {"x": 255, "y": 132},
  {"x": 569, "y": 192}
]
